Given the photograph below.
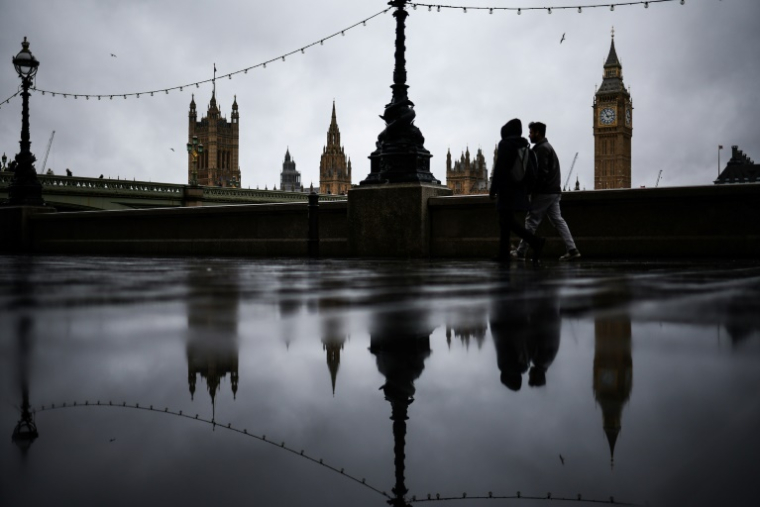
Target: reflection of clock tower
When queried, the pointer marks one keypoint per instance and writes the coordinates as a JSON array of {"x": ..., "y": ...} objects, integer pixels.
[
  {"x": 613, "y": 127},
  {"x": 613, "y": 373}
]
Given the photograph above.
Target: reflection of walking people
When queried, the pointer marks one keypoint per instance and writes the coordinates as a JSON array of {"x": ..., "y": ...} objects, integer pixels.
[
  {"x": 513, "y": 195},
  {"x": 547, "y": 194},
  {"x": 526, "y": 334}
]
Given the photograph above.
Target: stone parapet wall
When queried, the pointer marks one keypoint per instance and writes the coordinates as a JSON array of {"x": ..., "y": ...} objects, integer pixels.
[
  {"x": 407, "y": 221},
  {"x": 706, "y": 221}
]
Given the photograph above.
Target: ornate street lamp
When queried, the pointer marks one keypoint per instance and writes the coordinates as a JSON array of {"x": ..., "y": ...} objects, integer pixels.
[
  {"x": 4, "y": 159},
  {"x": 195, "y": 148},
  {"x": 25, "y": 189},
  {"x": 400, "y": 156}
]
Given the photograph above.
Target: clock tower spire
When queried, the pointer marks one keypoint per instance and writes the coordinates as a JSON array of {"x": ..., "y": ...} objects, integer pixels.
[{"x": 613, "y": 126}]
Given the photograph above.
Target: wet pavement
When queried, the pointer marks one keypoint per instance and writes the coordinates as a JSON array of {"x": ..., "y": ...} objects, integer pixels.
[{"x": 166, "y": 381}]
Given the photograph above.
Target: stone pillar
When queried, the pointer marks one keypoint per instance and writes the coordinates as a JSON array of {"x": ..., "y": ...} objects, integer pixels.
[
  {"x": 391, "y": 220},
  {"x": 192, "y": 196}
]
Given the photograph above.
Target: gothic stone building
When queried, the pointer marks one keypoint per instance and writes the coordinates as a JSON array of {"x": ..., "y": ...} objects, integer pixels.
[
  {"x": 740, "y": 169},
  {"x": 334, "y": 169},
  {"x": 219, "y": 164},
  {"x": 613, "y": 127},
  {"x": 465, "y": 176},
  {"x": 290, "y": 179}
]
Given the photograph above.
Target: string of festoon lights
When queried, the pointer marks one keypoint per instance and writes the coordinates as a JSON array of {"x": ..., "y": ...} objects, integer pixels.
[
  {"x": 165, "y": 91},
  {"x": 611, "y": 6},
  {"x": 6, "y": 101}
]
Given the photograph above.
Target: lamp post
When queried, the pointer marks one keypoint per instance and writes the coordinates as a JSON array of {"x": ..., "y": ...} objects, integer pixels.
[
  {"x": 25, "y": 189},
  {"x": 400, "y": 156},
  {"x": 195, "y": 148},
  {"x": 4, "y": 159}
]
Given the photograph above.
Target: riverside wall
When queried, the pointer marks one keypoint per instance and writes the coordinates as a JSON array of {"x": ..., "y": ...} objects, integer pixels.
[{"x": 720, "y": 221}]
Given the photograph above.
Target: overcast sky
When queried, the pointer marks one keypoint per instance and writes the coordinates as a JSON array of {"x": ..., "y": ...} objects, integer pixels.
[{"x": 693, "y": 70}]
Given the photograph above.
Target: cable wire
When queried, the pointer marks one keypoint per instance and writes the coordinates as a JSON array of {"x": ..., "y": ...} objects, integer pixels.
[{"x": 282, "y": 57}]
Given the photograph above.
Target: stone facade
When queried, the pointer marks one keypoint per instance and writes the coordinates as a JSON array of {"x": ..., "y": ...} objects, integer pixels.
[
  {"x": 613, "y": 127},
  {"x": 466, "y": 176},
  {"x": 219, "y": 164},
  {"x": 740, "y": 169},
  {"x": 334, "y": 168},
  {"x": 290, "y": 179}
]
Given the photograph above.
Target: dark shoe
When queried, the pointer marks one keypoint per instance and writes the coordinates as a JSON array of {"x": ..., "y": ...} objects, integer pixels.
[
  {"x": 572, "y": 254},
  {"x": 538, "y": 248}
]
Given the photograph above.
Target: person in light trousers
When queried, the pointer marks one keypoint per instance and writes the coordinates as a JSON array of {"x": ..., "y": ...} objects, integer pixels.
[{"x": 546, "y": 194}]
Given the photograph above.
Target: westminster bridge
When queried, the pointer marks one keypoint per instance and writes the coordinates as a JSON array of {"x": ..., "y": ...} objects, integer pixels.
[{"x": 69, "y": 193}]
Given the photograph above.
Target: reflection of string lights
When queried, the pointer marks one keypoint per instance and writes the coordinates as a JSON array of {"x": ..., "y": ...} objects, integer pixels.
[
  {"x": 341, "y": 471},
  {"x": 263, "y": 65},
  {"x": 262, "y": 438},
  {"x": 549, "y": 10}
]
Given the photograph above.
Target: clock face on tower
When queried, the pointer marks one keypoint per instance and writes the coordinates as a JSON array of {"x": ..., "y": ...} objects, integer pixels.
[
  {"x": 628, "y": 117},
  {"x": 607, "y": 116}
]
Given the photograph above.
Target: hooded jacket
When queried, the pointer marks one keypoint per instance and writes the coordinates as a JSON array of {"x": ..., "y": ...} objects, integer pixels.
[{"x": 512, "y": 195}]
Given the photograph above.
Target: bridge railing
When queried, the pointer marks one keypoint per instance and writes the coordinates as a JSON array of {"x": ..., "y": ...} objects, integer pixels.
[{"x": 52, "y": 182}]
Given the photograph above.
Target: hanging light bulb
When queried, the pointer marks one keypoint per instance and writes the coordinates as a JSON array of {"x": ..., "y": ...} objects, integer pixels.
[
  {"x": 464, "y": 9},
  {"x": 414, "y": 6},
  {"x": 283, "y": 58},
  {"x": 43, "y": 93},
  {"x": 110, "y": 98},
  {"x": 151, "y": 94},
  {"x": 265, "y": 65},
  {"x": 98, "y": 97},
  {"x": 612, "y": 7},
  {"x": 430, "y": 8},
  {"x": 683, "y": 2},
  {"x": 579, "y": 10},
  {"x": 490, "y": 11},
  {"x": 138, "y": 95},
  {"x": 439, "y": 8},
  {"x": 167, "y": 92},
  {"x": 646, "y": 5},
  {"x": 64, "y": 95},
  {"x": 125, "y": 97},
  {"x": 75, "y": 97},
  {"x": 87, "y": 97},
  {"x": 322, "y": 42},
  {"x": 196, "y": 85},
  {"x": 550, "y": 10},
  {"x": 519, "y": 11},
  {"x": 53, "y": 94},
  {"x": 180, "y": 88}
]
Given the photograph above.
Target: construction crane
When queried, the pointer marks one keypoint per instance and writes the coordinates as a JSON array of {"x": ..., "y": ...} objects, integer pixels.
[
  {"x": 572, "y": 166},
  {"x": 658, "y": 179},
  {"x": 47, "y": 153}
]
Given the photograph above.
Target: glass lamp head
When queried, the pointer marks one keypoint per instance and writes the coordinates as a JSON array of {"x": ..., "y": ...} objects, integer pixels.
[{"x": 25, "y": 62}]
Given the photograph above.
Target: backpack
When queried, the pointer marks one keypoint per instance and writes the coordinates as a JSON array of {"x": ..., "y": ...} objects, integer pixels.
[{"x": 525, "y": 168}]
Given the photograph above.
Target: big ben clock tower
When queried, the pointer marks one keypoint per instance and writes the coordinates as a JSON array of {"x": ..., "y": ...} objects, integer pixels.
[{"x": 613, "y": 127}]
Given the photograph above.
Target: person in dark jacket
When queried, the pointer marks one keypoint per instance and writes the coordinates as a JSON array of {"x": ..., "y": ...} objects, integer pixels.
[
  {"x": 512, "y": 195},
  {"x": 546, "y": 194}
]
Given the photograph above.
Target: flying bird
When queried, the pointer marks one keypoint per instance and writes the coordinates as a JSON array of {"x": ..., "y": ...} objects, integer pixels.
[
  {"x": 562, "y": 39},
  {"x": 171, "y": 149},
  {"x": 112, "y": 440},
  {"x": 113, "y": 55},
  {"x": 562, "y": 459}
]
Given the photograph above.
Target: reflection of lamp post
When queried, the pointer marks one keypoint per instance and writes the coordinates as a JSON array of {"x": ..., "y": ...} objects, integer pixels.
[
  {"x": 25, "y": 431},
  {"x": 195, "y": 148},
  {"x": 400, "y": 155},
  {"x": 24, "y": 188}
]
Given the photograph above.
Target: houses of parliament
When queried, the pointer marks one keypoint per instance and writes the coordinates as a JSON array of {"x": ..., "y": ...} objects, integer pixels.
[{"x": 218, "y": 165}]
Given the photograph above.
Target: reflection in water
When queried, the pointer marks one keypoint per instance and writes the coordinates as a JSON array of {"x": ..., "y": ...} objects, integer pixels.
[
  {"x": 613, "y": 373},
  {"x": 333, "y": 338},
  {"x": 212, "y": 317},
  {"x": 467, "y": 324},
  {"x": 526, "y": 334},
  {"x": 25, "y": 431},
  {"x": 401, "y": 343}
]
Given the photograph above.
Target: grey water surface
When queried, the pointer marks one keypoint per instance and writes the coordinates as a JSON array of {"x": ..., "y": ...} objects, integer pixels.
[{"x": 636, "y": 381}]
